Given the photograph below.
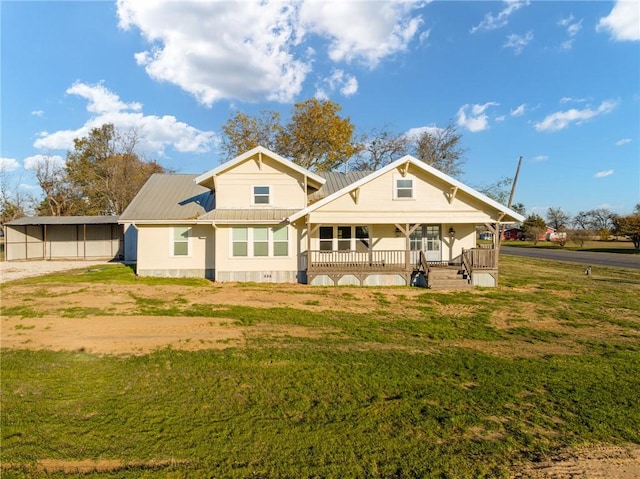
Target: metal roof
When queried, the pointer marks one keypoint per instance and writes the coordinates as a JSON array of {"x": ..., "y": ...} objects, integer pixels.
[
  {"x": 169, "y": 197},
  {"x": 335, "y": 181},
  {"x": 63, "y": 220},
  {"x": 255, "y": 215}
]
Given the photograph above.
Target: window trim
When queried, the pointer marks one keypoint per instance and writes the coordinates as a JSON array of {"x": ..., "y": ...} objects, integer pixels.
[
  {"x": 251, "y": 241},
  {"x": 354, "y": 239},
  {"x": 396, "y": 188},
  {"x": 255, "y": 195},
  {"x": 172, "y": 242}
]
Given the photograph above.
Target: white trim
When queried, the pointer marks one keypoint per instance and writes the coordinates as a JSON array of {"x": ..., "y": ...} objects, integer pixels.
[
  {"x": 268, "y": 195},
  {"x": 259, "y": 150},
  {"x": 515, "y": 217},
  {"x": 406, "y": 177},
  {"x": 172, "y": 242},
  {"x": 251, "y": 241}
]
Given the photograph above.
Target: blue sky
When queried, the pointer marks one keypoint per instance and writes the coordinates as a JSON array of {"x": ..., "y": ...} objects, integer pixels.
[{"x": 557, "y": 83}]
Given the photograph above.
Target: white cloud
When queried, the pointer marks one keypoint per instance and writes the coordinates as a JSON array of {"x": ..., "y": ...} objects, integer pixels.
[
  {"x": 100, "y": 99},
  {"x": 474, "y": 117},
  {"x": 562, "y": 119},
  {"x": 519, "y": 111},
  {"x": 540, "y": 158},
  {"x": 573, "y": 28},
  {"x": 623, "y": 141},
  {"x": 603, "y": 174},
  {"x": 415, "y": 133},
  {"x": 340, "y": 81},
  {"x": 38, "y": 113},
  {"x": 518, "y": 42},
  {"x": 32, "y": 163},
  {"x": 493, "y": 22},
  {"x": 250, "y": 50},
  {"x": 623, "y": 22},
  {"x": 156, "y": 133},
  {"x": 8, "y": 164},
  {"x": 362, "y": 31},
  {"x": 568, "y": 99}
]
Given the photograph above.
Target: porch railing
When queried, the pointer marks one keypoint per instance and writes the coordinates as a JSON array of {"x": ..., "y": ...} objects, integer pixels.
[
  {"x": 376, "y": 260},
  {"x": 479, "y": 258}
]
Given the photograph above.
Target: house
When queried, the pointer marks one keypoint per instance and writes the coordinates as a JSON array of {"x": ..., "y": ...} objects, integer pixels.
[
  {"x": 260, "y": 217},
  {"x": 510, "y": 234}
]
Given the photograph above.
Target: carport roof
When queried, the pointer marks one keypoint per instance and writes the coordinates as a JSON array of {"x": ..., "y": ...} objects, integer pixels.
[{"x": 64, "y": 220}]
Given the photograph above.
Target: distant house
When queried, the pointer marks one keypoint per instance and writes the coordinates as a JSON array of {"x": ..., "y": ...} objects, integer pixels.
[
  {"x": 511, "y": 234},
  {"x": 260, "y": 217}
]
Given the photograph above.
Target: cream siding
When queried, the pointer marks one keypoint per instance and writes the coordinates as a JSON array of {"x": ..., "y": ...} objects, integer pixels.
[
  {"x": 256, "y": 268},
  {"x": 234, "y": 188},
  {"x": 156, "y": 258}
]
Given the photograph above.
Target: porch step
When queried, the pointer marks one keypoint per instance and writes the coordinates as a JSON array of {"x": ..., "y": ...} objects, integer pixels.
[{"x": 448, "y": 279}]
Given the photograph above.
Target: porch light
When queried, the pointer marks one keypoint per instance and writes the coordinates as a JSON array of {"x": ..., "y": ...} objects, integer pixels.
[{"x": 452, "y": 232}]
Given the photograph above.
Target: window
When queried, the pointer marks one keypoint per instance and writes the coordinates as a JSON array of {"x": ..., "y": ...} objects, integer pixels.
[
  {"x": 344, "y": 238},
  {"x": 260, "y": 241},
  {"x": 404, "y": 188},
  {"x": 240, "y": 241},
  {"x": 260, "y": 195},
  {"x": 180, "y": 241},
  {"x": 415, "y": 239},
  {"x": 280, "y": 241},
  {"x": 326, "y": 238}
]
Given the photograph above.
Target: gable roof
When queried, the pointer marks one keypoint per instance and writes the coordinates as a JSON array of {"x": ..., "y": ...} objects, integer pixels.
[
  {"x": 335, "y": 181},
  {"x": 314, "y": 177},
  {"x": 169, "y": 197},
  {"x": 406, "y": 160}
]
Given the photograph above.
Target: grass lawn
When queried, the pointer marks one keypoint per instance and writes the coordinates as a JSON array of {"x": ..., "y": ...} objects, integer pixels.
[
  {"x": 402, "y": 382},
  {"x": 617, "y": 247}
]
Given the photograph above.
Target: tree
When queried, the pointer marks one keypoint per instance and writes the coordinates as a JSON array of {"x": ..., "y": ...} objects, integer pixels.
[
  {"x": 441, "y": 148},
  {"x": 243, "y": 132},
  {"x": 61, "y": 198},
  {"x": 379, "y": 148},
  {"x": 628, "y": 226},
  {"x": 599, "y": 220},
  {"x": 534, "y": 226},
  {"x": 557, "y": 219},
  {"x": 519, "y": 208},
  {"x": 13, "y": 201},
  {"x": 316, "y": 137},
  {"x": 105, "y": 170},
  {"x": 579, "y": 236},
  {"x": 498, "y": 191}
]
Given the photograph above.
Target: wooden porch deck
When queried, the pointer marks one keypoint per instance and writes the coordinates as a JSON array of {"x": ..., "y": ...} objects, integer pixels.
[{"x": 361, "y": 264}]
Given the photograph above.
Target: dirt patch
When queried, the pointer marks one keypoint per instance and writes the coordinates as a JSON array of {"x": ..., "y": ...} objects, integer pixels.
[
  {"x": 88, "y": 466},
  {"x": 138, "y": 334},
  {"x": 602, "y": 462}
]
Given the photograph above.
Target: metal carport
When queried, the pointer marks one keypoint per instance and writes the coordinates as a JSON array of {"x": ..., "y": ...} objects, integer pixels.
[{"x": 64, "y": 237}]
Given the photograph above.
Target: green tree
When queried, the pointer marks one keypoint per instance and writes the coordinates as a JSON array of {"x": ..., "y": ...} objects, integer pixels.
[
  {"x": 628, "y": 226},
  {"x": 441, "y": 148},
  {"x": 243, "y": 132},
  {"x": 105, "y": 170},
  {"x": 316, "y": 137},
  {"x": 534, "y": 226}
]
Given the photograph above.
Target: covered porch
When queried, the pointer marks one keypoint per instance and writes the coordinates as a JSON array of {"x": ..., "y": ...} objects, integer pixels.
[{"x": 396, "y": 254}]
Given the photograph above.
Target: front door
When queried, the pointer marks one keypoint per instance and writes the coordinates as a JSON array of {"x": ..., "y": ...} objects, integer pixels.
[{"x": 432, "y": 243}]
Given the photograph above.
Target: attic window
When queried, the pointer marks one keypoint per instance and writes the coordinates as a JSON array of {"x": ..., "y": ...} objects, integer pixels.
[
  {"x": 404, "y": 188},
  {"x": 261, "y": 195}
]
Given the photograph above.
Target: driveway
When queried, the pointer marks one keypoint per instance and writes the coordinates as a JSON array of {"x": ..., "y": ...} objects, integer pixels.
[
  {"x": 587, "y": 258},
  {"x": 12, "y": 270}
]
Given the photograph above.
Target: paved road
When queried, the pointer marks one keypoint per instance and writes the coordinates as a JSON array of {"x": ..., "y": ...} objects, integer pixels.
[{"x": 586, "y": 258}]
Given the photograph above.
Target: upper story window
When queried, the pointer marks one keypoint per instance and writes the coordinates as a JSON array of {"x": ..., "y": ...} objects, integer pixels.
[
  {"x": 261, "y": 195},
  {"x": 403, "y": 188}
]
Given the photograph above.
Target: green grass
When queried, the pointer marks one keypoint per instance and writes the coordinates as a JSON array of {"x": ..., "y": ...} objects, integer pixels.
[
  {"x": 600, "y": 246},
  {"x": 418, "y": 384}
]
